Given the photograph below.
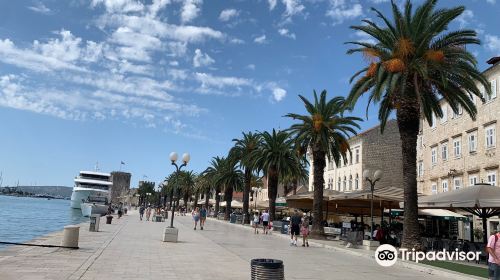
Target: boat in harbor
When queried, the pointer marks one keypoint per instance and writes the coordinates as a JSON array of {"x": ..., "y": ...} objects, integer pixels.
[
  {"x": 90, "y": 184},
  {"x": 95, "y": 205}
]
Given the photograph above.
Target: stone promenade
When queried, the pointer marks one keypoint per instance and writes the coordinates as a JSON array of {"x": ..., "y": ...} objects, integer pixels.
[{"x": 132, "y": 249}]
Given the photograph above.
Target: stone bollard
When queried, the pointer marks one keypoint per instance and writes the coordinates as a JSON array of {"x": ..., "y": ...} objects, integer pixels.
[
  {"x": 170, "y": 234},
  {"x": 70, "y": 236}
]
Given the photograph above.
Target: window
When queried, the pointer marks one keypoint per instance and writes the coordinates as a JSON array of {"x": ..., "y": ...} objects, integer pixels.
[
  {"x": 356, "y": 182},
  {"x": 420, "y": 168},
  {"x": 490, "y": 136},
  {"x": 492, "y": 178},
  {"x": 434, "y": 156},
  {"x": 457, "y": 151},
  {"x": 350, "y": 182},
  {"x": 444, "y": 151},
  {"x": 472, "y": 142},
  {"x": 493, "y": 95},
  {"x": 357, "y": 155},
  {"x": 459, "y": 112},
  {"x": 345, "y": 183},
  {"x": 444, "y": 184},
  {"x": 433, "y": 119},
  {"x": 444, "y": 108},
  {"x": 338, "y": 184},
  {"x": 434, "y": 188},
  {"x": 472, "y": 180},
  {"x": 420, "y": 141},
  {"x": 457, "y": 182}
]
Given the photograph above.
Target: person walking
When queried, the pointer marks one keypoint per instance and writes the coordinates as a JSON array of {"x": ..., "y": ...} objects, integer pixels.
[
  {"x": 141, "y": 212},
  {"x": 256, "y": 222},
  {"x": 120, "y": 210},
  {"x": 295, "y": 222},
  {"x": 493, "y": 249},
  {"x": 265, "y": 221},
  {"x": 196, "y": 216},
  {"x": 203, "y": 216},
  {"x": 148, "y": 213},
  {"x": 304, "y": 230}
]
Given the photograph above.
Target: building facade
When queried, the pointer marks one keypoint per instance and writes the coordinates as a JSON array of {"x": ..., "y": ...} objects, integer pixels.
[
  {"x": 369, "y": 150},
  {"x": 456, "y": 151},
  {"x": 121, "y": 185}
]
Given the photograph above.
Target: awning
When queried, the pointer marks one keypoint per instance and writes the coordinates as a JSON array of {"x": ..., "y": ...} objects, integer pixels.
[{"x": 441, "y": 214}]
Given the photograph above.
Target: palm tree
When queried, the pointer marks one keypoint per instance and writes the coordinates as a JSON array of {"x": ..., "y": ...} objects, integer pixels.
[
  {"x": 187, "y": 181},
  {"x": 292, "y": 180},
  {"x": 274, "y": 157},
  {"x": 325, "y": 131},
  {"x": 212, "y": 172},
  {"x": 415, "y": 61},
  {"x": 242, "y": 152},
  {"x": 231, "y": 178}
]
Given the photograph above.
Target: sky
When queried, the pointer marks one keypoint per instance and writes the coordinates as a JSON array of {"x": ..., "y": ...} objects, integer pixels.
[{"x": 108, "y": 81}]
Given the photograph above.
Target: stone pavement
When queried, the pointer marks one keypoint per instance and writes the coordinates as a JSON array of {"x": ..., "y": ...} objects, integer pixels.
[{"x": 132, "y": 249}]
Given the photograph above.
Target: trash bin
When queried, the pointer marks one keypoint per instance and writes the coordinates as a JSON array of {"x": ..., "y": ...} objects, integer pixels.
[
  {"x": 125, "y": 210},
  {"x": 158, "y": 218},
  {"x": 284, "y": 227},
  {"x": 94, "y": 222},
  {"x": 232, "y": 218},
  {"x": 108, "y": 219},
  {"x": 263, "y": 269}
]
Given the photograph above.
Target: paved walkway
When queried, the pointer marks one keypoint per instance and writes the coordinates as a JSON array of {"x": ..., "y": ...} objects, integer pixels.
[{"x": 131, "y": 249}]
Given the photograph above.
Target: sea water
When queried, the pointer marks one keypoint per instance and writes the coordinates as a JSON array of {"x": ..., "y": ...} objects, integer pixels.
[{"x": 25, "y": 218}]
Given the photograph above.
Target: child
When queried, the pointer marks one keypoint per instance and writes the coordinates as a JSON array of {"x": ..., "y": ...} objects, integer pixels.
[
  {"x": 304, "y": 230},
  {"x": 256, "y": 219}
]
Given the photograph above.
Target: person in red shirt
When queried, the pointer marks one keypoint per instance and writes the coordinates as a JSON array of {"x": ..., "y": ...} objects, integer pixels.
[{"x": 493, "y": 248}]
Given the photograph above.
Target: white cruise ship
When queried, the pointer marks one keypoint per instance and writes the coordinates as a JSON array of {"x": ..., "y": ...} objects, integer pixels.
[{"x": 90, "y": 183}]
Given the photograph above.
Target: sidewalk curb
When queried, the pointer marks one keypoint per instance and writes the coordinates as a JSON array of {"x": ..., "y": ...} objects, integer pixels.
[{"x": 406, "y": 264}]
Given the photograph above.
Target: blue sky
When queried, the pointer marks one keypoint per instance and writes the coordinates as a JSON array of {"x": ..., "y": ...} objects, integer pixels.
[{"x": 123, "y": 80}]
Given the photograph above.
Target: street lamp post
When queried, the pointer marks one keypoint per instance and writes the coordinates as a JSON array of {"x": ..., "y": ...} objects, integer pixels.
[
  {"x": 372, "y": 179},
  {"x": 147, "y": 198},
  {"x": 185, "y": 160}
]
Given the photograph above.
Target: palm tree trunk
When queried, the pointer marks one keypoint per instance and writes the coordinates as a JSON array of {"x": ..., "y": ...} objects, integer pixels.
[
  {"x": 319, "y": 163},
  {"x": 217, "y": 201},
  {"x": 408, "y": 122},
  {"x": 195, "y": 200},
  {"x": 295, "y": 183},
  {"x": 272, "y": 191},
  {"x": 228, "y": 196},
  {"x": 246, "y": 196},
  {"x": 207, "y": 194}
]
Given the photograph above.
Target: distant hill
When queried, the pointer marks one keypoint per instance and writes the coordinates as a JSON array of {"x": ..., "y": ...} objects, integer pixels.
[{"x": 50, "y": 190}]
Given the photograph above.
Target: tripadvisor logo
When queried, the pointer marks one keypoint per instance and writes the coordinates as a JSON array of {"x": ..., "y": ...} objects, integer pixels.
[{"x": 387, "y": 255}]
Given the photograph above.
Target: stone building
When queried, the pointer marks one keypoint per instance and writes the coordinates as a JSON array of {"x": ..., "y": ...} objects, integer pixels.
[
  {"x": 121, "y": 185},
  {"x": 456, "y": 151},
  {"x": 371, "y": 150}
]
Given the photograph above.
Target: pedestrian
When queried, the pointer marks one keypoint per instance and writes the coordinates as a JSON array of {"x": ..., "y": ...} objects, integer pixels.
[
  {"x": 196, "y": 216},
  {"x": 148, "y": 213},
  {"x": 304, "y": 230},
  {"x": 120, "y": 210},
  {"x": 295, "y": 222},
  {"x": 493, "y": 248},
  {"x": 256, "y": 222},
  {"x": 203, "y": 216},
  {"x": 141, "y": 212},
  {"x": 265, "y": 221}
]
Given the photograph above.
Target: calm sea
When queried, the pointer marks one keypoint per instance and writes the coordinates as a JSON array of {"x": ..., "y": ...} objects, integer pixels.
[{"x": 25, "y": 218}]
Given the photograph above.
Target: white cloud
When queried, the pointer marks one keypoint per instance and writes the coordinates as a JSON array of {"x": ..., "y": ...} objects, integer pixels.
[
  {"x": 119, "y": 6},
  {"x": 272, "y": 4},
  {"x": 133, "y": 45},
  {"x": 237, "y": 41},
  {"x": 465, "y": 18},
  {"x": 251, "y": 66},
  {"x": 190, "y": 10},
  {"x": 286, "y": 33},
  {"x": 491, "y": 1},
  {"x": 492, "y": 43},
  {"x": 342, "y": 10},
  {"x": 228, "y": 14},
  {"x": 260, "y": 39},
  {"x": 39, "y": 7},
  {"x": 201, "y": 59},
  {"x": 379, "y": 1},
  {"x": 278, "y": 94},
  {"x": 292, "y": 8},
  {"x": 208, "y": 80}
]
